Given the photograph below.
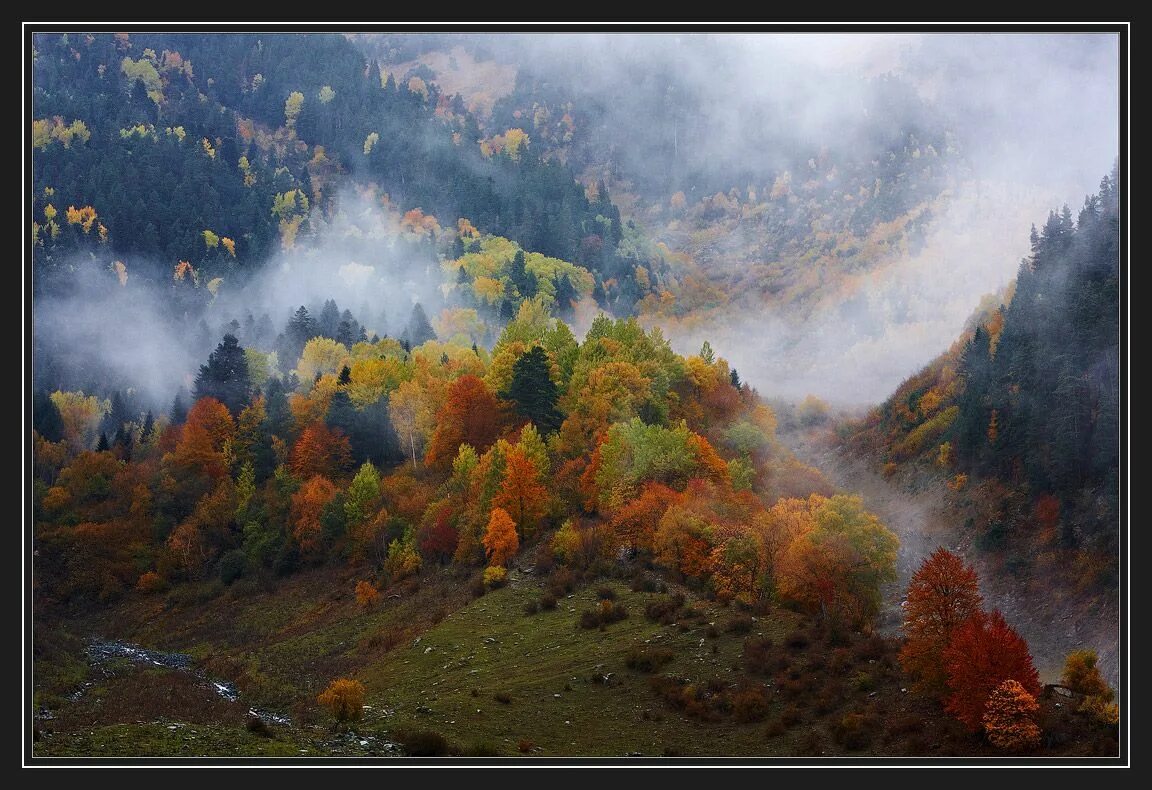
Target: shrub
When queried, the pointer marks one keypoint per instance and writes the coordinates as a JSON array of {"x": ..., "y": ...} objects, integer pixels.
[
  {"x": 525, "y": 746},
  {"x": 759, "y": 656},
  {"x": 548, "y": 601},
  {"x": 750, "y": 704},
  {"x": 841, "y": 660},
  {"x": 643, "y": 583},
  {"x": 605, "y": 613},
  {"x": 477, "y": 587},
  {"x": 712, "y": 632},
  {"x": 828, "y": 698},
  {"x": 664, "y": 609},
  {"x": 643, "y": 658},
  {"x": 532, "y": 607},
  {"x": 423, "y": 743},
  {"x": 503, "y": 697},
  {"x": 366, "y": 593},
  {"x": 740, "y": 625},
  {"x": 257, "y": 726},
  {"x": 495, "y": 576},
  {"x": 1008, "y": 717},
  {"x": 232, "y": 566},
  {"x": 150, "y": 582},
  {"x": 344, "y": 698},
  {"x": 562, "y": 581},
  {"x": 605, "y": 593},
  {"x": 589, "y": 619},
  {"x": 853, "y": 731},
  {"x": 872, "y": 648},
  {"x": 797, "y": 640}
]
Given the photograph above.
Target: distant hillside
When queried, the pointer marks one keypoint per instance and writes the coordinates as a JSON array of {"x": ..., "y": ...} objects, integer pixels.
[
  {"x": 1021, "y": 418},
  {"x": 162, "y": 143}
]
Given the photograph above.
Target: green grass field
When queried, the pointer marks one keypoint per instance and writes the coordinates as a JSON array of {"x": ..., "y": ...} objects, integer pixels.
[{"x": 446, "y": 673}]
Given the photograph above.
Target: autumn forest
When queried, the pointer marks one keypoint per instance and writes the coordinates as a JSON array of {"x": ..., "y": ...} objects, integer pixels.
[{"x": 510, "y": 396}]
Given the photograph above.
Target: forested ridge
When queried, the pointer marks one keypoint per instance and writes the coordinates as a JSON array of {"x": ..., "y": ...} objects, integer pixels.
[
  {"x": 1022, "y": 417},
  {"x": 165, "y": 138}
]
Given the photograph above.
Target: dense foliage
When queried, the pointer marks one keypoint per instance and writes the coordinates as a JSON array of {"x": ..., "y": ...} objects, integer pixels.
[{"x": 401, "y": 459}]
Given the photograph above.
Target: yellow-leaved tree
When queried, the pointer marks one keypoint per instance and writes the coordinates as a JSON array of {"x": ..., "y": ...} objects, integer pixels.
[{"x": 344, "y": 698}]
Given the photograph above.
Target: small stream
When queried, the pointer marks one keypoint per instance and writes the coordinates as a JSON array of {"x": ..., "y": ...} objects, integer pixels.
[{"x": 100, "y": 652}]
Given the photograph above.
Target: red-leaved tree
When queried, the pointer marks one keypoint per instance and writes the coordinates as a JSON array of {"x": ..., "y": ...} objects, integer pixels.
[
  {"x": 943, "y": 594},
  {"x": 471, "y": 414},
  {"x": 984, "y": 652}
]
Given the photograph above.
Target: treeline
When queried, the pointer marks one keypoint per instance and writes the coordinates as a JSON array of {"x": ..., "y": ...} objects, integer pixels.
[
  {"x": 1024, "y": 412},
  {"x": 244, "y": 135}
]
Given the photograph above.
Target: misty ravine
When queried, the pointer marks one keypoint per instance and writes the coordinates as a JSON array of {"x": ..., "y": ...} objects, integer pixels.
[{"x": 922, "y": 521}]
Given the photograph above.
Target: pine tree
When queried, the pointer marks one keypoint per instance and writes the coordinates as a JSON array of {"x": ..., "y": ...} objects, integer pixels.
[
  {"x": 328, "y": 324},
  {"x": 148, "y": 427},
  {"x": 418, "y": 331},
  {"x": 534, "y": 392},
  {"x": 46, "y": 419},
  {"x": 179, "y": 411},
  {"x": 299, "y": 331},
  {"x": 225, "y": 377}
]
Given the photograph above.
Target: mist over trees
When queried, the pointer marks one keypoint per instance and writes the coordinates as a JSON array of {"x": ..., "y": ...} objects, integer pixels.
[{"x": 384, "y": 323}]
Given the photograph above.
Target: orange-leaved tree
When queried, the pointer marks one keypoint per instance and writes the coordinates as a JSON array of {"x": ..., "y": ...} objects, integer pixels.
[
  {"x": 208, "y": 428},
  {"x": 321, "y": 451},
  {"x": 470, "y": 415},
  {"x": 1008, "y": 717},
  {"x": 307, "y": 507},
  {"x": 521, "y": 493},
  {"x": 366, "y": 593},
  {"x": 500, "y": 539},
  {"x": 943, "y": 594},
  {"x": 984, "y": 652},
  {"x": 344, "y": 698}
]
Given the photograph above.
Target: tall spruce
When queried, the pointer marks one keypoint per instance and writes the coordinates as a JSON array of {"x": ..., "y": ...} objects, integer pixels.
[
  {"x": 534, "y": 392},
  {"x": 225, "y": 376}
]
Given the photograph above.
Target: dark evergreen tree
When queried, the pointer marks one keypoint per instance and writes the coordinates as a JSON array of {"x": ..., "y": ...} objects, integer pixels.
[
  {"x": 419, "y": 330},
  {"x": 534, "y": 392},
  {"x": 299, "y": 331},
  {"x": 102, "y": 445},
  {"x": 225, "y": 377},
  {"x": 119, "y": 413},
  {"x": 1052, "y": 379},
  {"x": 278, "y": 419},
  {"x": 328, "y": 325},
  {"x": 122, "y": 442},
  {"x": 378, "y": 440},
  {"x": 522, "y": 279},
  {"x": 179, "y": 411},
  {"x": 46, "y": 419},
  {"x": 566, "y": 296},
  {"x": 148, "y": 427}
]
